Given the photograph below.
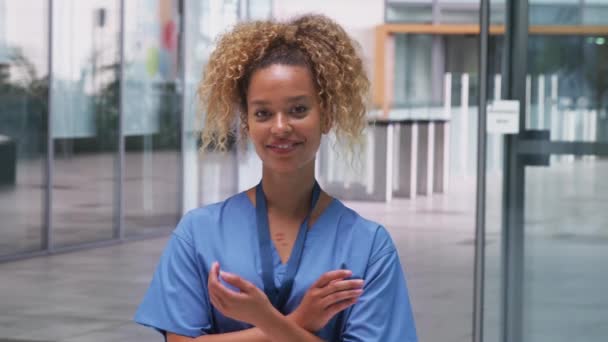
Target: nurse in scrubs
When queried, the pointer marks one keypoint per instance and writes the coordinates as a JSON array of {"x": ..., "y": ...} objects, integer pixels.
[{"x": 283, "y": 261}]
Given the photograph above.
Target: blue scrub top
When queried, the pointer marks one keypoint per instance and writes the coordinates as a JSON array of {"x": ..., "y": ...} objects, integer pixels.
[{"x": 177, "y": 300}]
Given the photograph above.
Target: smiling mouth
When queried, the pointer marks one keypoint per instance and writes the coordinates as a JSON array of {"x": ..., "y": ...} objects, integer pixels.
[{"x": 284, "y": 147}]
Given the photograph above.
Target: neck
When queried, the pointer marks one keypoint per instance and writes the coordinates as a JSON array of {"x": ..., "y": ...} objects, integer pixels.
[{"x": 289, "y": 194}]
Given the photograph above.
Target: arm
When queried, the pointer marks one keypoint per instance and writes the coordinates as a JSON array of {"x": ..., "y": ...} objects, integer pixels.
[
  {"x": 248, "y": 335},
  {"x": 286, "y": 323},
  {"x": 383, "y": 313},
  {"x": 249, "y": 304},
  {"x": 329, "y": 295}
]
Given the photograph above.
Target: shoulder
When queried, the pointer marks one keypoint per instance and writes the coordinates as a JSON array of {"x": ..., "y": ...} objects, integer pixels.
[
  {"x": 208, "y": 219},
  {"x": 365, "y": 231}
]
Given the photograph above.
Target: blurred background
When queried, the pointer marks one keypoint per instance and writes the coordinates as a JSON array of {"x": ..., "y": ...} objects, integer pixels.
[{"x": 99, "y": 158}]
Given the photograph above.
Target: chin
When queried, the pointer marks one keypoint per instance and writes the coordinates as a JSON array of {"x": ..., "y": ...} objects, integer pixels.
[
  {"x": 283, "y": 167},
  {"x": 287, "y": 166}
]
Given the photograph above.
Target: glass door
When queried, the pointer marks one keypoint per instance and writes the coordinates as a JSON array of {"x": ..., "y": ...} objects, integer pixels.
[{"x": 545, "y": 215}]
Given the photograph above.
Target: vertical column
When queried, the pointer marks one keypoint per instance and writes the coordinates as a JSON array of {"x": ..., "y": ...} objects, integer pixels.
[
  {"x": 495, "y": 140},
  {"x": 528, "y": 102},
  {"x": 381, "y": 155},
  {"x": 47, "y": 228},
  {"x": 442, "y": 157},
  {"x": 464, "y": 123},
  {"x": 554, "y": 132},
  {"x": 119, "y": 226},
  {"x": 408, "y": 159},
  {"x": 514, "y": 81},
  {"x": 396, "y": 156},
  {"x": 554, "y": 110},
  {"x": 390, "y": 136},
  {"x": 480, "y": 233},
  {"x": 426, "y": 148},
  {"x": 369, "y": 162},
  {"x": 540, "y": 123}
]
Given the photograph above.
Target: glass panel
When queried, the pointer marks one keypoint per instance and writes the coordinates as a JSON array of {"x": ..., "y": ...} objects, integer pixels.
[
  {"x": 555, "y": 13},
  {"x": 23, "y": 123},
  {"x": 210, "y": 177},
  {"x": 152, "y": 110},
  {"x": 85, "y": 119},
  {"x": 566, "y": 248},
  {"x": 595, "y": 14},
  {"x": 566, "y": 96},
  {"x": 197, "y": 45},
  {"x": 421, "y": 12},
  {"x": 433, "y": 76},
  {"x": 413, "y": 64},
  {"x": 460, "y": 13}
]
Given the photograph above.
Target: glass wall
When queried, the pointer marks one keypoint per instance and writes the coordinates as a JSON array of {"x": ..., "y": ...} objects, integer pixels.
[
  {"x": 208, "y": 176},
  {"x": 152, "y": 110},
  {"x": 84, "y": 123},
  {"x": 23, "y": 124},
  {"x": 569, "y": 86},
  {"x": 542, "y": 12},
  {"x": 144, "y": 88}
]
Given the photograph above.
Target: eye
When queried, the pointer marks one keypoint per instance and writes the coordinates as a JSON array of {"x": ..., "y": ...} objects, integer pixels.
[
  {"x": 261, "y": 114},
  {"x": 299, "y": 109}
]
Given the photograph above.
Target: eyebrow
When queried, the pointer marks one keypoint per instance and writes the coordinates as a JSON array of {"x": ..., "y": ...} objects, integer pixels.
[{"x": 289, "y": 99}]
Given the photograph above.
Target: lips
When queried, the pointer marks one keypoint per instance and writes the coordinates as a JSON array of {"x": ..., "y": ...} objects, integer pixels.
[{"x": 283, "y": 147}]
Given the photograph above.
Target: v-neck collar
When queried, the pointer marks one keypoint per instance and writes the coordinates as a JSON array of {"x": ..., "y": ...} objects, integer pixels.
[{"x": 312, "y": 230}]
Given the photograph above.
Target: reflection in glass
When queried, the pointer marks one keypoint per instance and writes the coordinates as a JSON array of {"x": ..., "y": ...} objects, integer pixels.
[
  {"x": 85, "y": 119},
  {"x": 23, "y": 123},
  {"x": 152, "y": 109},
  {"x": 569, "y": 86},
  {"x": 208, "y": 176},
  {"x": 565, "y": 250}
]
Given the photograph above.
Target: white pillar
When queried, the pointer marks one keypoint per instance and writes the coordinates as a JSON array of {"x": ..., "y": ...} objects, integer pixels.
[
  {"x": 541, "y": 102},
  {"x": 464, "y": 113},
  {"x": 528, "y": 102}
]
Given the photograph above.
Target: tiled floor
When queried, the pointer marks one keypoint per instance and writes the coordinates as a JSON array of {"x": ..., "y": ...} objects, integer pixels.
[{"x": 91, "y": 295}]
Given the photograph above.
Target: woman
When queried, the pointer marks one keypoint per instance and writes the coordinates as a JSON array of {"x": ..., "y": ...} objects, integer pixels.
[{"x": 283, "y": 261}]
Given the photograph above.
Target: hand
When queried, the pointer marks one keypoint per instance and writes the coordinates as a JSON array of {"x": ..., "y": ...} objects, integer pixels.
[
  {"x": 250, "y": 305},
  {"x": 328, "y": 296}
]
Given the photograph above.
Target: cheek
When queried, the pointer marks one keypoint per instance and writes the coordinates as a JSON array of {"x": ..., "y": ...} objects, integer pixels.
[{"x": 256, "y": 137}]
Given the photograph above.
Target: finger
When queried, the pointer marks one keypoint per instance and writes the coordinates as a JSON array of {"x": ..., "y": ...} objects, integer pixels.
[
  {"x": 213, "y": 280},
  {"x": 338, "y": 297},
  {"x": 330, "y": 276},
  {"x": 221, "y": 292},
  {"x": 236, "y": 281},
  {"x": 214, "y": 272},
  {"x": 340, "y": 306},
  {"x": 213, "y": 290},
  {"x": 341, "y": 285},
  {"x": 217, "y": 302}
]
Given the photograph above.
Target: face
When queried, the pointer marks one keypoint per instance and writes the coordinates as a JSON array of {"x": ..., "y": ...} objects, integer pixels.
[{"x": 284, "y": 118}]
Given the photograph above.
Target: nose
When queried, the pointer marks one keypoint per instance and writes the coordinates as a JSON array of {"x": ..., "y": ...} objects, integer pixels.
[{"x": 281, "y": 124}]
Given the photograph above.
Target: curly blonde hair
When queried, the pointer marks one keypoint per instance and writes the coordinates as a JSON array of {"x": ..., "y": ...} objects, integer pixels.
[{"x": 313, "y": 41}]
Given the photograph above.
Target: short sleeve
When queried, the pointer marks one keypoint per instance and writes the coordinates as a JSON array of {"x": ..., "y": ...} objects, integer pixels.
[
  {"x": 383, "y": 312},
  {"x": 177, "y": 299}
]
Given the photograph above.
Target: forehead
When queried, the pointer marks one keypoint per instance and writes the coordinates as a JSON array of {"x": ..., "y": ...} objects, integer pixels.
[{"x": 279, "y": 81}]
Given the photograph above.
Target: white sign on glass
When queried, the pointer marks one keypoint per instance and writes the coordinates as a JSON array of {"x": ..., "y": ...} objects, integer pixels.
[{"x": 503, "y": 117}]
